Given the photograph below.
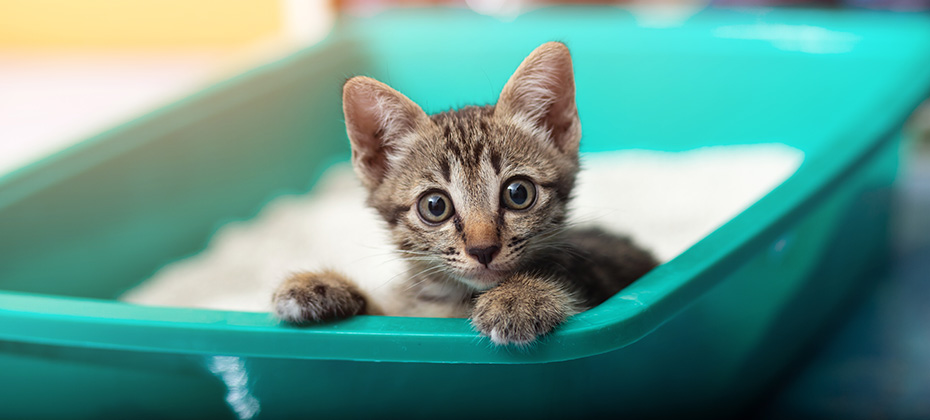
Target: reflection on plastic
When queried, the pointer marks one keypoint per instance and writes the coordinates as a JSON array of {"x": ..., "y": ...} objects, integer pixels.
[
  {"x": 801, "y": 38},
  {"x": 231, "y": 370}
]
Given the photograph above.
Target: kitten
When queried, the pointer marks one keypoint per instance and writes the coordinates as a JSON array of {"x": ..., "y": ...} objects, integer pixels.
[{"x": 475, "y": 199}]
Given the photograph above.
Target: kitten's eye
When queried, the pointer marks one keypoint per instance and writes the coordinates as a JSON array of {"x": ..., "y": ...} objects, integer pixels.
[
  {"x": 435, "y": 207},
  {"x": 519, "y": 194}
]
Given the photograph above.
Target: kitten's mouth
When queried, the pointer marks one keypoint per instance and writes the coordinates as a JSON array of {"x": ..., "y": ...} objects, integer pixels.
[{"x": 482, "y": 278}]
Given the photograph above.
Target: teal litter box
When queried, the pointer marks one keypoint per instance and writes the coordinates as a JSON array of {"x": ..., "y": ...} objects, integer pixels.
[{"x": 708, "y": 332}]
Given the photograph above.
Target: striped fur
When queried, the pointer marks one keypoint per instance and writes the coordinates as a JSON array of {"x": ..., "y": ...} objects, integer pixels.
[{"x": 543, "y": 272}]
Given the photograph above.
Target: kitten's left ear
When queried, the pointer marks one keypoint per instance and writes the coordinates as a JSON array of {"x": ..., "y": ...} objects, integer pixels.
[
  {"x": 541, "y": 94},
  {"x": 378, "y": 119}
]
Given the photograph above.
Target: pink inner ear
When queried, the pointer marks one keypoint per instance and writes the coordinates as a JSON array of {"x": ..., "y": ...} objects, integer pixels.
[
  {"x": 365, "y": 132},
  {"x": 542, "y": 92},
  {"x": 562, "y": 112},
  {"x": 377, "y": 117}
]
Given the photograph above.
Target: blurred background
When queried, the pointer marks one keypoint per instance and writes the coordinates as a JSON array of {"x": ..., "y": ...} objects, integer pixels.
[{"x": 69, "y": 70}]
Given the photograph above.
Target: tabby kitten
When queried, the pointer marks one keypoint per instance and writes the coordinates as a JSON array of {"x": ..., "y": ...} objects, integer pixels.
[{"x": 475, "y": 199}]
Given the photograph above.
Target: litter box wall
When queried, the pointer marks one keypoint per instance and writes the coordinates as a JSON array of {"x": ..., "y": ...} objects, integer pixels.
[
  {"x": 94, "y": 219},
  {"x": 716, "y": 356},
  {"x": 706, "y": 332}
]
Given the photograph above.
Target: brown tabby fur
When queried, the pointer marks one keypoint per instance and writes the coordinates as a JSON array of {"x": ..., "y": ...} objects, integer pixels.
[{"x": 543, "y": 272}]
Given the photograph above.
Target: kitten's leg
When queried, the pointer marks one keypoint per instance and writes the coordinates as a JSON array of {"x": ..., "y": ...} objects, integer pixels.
[
  {"x": 319, "y": 296},
  {"x": 598, "y": 264},
  {"x": 522, "y": 308}
]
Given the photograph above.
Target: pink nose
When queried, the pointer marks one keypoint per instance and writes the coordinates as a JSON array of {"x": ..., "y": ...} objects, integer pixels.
[{"x": 484, "y": 255}]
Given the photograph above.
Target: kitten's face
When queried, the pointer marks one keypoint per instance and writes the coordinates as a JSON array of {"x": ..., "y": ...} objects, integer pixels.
[
  {"x": 471, "y": 193},
  {"x": 475, "y": 195}
]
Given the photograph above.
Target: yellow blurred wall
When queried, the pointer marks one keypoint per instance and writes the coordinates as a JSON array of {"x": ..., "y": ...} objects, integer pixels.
[{"x": 133, "y": 23}]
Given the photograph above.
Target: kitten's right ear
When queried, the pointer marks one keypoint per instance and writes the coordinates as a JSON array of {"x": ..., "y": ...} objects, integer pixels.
[
  {"x": 541, "y": 96},
  {"x": 377, "y": 120}
]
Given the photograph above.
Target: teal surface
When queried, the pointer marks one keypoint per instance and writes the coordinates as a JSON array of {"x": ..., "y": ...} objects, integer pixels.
[
  {"x": 874, "y": 362},
  {"x": 704, "y": 332}
]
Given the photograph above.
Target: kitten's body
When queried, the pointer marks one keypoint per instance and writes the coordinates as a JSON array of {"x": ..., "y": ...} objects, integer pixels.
[
  {"x": 475, "y": 199},
  {"x": 591, "y": 264}
]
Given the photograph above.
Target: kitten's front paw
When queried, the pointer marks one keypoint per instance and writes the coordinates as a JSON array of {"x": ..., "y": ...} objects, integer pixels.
[
  {"x": 520, "y": 310},
  {"x": 317, "y": 296}
]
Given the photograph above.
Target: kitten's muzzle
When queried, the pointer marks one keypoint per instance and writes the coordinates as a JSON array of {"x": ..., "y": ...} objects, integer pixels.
[{"x": 484, "y": 255}]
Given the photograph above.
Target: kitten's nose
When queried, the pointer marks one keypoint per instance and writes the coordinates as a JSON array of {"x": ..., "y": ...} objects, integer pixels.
[{"x": 484, "y": 255}]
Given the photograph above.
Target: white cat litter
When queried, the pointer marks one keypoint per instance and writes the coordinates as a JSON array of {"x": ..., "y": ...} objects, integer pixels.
[{"x": 666, "y": 201}]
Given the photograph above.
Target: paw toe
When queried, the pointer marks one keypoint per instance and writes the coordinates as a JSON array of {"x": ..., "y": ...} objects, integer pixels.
[
  {"x": 288, "y": 309},
  {"x": 519, "y": 337},
  {"x": 510, "y": 318},
  {"x": 316, "y": 297}
]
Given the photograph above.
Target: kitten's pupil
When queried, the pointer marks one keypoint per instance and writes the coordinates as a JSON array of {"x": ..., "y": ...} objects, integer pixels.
[
  {"x": 518, "y": 193},
  {"x": 436, "y": 205}
]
